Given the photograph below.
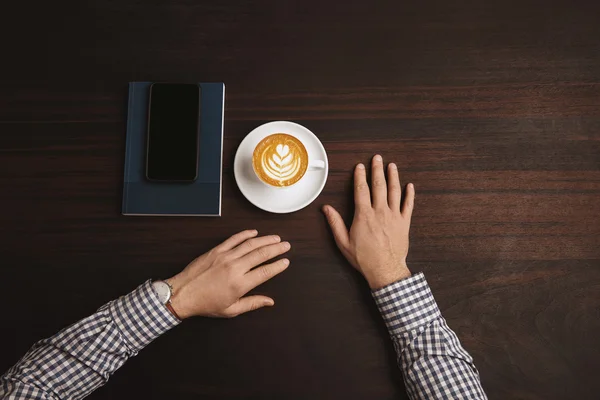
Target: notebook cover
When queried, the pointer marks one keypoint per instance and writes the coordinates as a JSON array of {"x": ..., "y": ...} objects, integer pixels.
[{"x": 200, "y": 198}]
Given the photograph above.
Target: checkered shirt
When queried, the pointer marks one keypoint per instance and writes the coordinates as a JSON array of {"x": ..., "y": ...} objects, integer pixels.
[
  {"x": 432, "y": 360},
  {"x": 81, "y": 358}
]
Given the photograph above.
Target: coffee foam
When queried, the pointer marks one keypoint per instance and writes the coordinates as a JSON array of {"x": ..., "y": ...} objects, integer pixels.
[{"x": 280, "y": 160}]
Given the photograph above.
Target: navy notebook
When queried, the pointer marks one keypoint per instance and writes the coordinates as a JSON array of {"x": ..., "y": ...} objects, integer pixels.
[{"x": 203, "y": 196}]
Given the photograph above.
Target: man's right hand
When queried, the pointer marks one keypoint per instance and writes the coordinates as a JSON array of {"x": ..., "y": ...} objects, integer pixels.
[
  {"x": 213, "y": 285},
  {"x": 377, "y": 243}
]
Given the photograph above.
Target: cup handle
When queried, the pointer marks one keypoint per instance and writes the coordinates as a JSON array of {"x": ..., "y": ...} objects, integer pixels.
[{"x": 316, "y": 164}]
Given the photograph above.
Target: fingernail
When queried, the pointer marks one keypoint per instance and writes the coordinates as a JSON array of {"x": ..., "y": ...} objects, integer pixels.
[
  {"x": 254, "y": 231},
  {"x": 378, "y": 158},
  {"x": 411, "y": 185},
  {"x": 269, "y": 303},
  {"x": 360, "y": 166},
  {"x": 285, "y": 261},
  {"x": 276, "y": 238},
  {"x": 394, "y": 166},
  {"x": 286, "y": 245}
]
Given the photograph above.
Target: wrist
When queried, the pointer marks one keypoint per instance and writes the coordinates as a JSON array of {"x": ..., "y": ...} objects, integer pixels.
[
  {"x": 387, "y": 276},
  {"x": 176, "y": 301}
]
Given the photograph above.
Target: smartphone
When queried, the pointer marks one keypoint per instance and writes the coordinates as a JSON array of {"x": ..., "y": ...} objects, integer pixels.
[{"x": 173, "y": 132}]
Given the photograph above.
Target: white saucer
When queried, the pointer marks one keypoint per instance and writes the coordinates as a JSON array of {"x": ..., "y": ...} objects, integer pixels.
[{"x": 280, "y": 200}]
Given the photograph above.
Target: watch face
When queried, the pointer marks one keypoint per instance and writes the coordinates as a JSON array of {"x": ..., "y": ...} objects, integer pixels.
[{"x": 162, "y": 291}]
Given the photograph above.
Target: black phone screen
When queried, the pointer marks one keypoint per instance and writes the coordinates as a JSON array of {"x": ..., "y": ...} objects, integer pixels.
[{"x": 173, "y": 132}]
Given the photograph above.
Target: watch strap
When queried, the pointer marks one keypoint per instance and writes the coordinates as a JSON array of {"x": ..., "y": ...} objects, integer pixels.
[{"x": 172, "y": 310}]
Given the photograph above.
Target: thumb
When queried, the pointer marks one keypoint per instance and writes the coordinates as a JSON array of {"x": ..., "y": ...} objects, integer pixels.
[
  {"x": 248, "y": 303},
  {"x": 338, "y": 227}
]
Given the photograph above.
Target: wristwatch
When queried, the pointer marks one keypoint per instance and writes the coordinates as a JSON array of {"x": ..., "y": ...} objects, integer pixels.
[{"x": 164, "y": 291}]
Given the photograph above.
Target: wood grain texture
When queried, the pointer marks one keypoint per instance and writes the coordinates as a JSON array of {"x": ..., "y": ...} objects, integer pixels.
[{"x": 491, "y": 108}]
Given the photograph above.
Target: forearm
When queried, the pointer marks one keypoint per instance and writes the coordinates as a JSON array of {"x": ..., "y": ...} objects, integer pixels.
[
  {"x": 81, "y": 358},
  {"x": 432, "y": 360}
]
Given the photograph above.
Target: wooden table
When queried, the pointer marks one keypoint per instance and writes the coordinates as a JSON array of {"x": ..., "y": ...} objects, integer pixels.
[{"x": 492, "y": 109}]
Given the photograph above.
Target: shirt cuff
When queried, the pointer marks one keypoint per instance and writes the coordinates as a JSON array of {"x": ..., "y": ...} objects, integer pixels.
[
  {"x": 141, "y": 317},
  {"x": 406, "y": 304}
]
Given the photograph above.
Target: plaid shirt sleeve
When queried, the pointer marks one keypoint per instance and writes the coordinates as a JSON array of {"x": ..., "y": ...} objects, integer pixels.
[
  {"x": 79, "y": 359},
  {"x": 432, "y": 360}
]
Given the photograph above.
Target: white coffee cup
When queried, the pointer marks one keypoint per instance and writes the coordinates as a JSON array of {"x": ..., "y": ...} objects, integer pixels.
[
  {"x": 270, "y": 198},
  {"x": 281, "y": 152}
]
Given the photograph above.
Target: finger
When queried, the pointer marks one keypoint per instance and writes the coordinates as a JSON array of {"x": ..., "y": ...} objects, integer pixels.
[
  {"x": 409, "y": 201},
  {"x": 236, "y": 240},
  {"x": 394, "y": 189},
  {"x": 338, "y": 227},
  {"x": 378, "y": 182},
  {"x": 253, "y": 244},
  {"x": 362, "y": 196},
  {"x": 263, "y": 254},
  {"x": 249, "y": 303},
  {"x": 260, "y": 275}
]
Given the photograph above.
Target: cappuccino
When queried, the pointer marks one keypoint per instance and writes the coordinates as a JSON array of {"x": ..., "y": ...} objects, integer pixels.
[{"x": 280, "y": 160}]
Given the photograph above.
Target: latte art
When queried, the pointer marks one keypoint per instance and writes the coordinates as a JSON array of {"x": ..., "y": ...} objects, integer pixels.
[
  {"x": 280, "y": 160},
  {"x": 281, "y": 164}
]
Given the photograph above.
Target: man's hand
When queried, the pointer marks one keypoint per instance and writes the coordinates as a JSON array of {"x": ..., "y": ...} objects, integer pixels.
[
  {"x": 213, "y": 284},
  {"x": 377, "y": 244}
]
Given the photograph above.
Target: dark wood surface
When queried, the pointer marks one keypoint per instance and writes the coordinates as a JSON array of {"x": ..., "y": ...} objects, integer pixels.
[{"x": 492, "y": 109}]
